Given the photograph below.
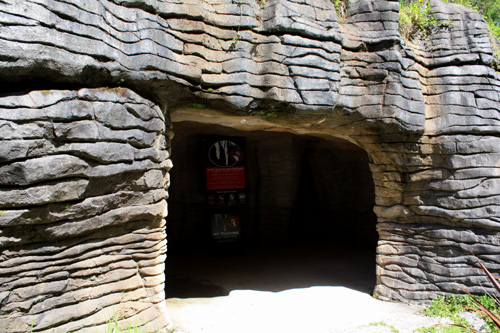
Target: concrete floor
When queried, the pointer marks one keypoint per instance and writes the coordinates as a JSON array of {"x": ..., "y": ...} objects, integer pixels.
[{"x": 292, "y": 290}]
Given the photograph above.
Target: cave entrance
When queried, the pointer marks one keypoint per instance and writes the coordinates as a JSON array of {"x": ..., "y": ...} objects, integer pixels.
[{"x": 309, "y": 220}]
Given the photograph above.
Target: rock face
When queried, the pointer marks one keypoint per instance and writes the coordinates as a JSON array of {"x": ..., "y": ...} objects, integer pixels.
[
  {"x": 82, "y": 207},
  {"x": 84, "y": 169}
]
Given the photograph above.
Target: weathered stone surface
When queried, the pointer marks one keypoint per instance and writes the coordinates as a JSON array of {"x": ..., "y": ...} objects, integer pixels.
[
  {"x": 84, "y": 171},
  {"x": 145, "y": 51},
  {"x": 67, "y": 195}
]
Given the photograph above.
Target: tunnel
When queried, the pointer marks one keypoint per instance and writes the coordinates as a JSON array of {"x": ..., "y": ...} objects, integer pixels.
[{"x": 307, "y": 219}]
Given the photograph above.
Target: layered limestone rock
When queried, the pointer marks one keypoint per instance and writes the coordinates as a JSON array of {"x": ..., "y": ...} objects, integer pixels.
[
  {"x": 84, "y": 169},
  {"x": 450, "y": 205},
  {"x": 83, "y": 181}
]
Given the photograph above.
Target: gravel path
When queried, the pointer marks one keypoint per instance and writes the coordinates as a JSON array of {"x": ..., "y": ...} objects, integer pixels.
[{"x": 303, "y": 310}]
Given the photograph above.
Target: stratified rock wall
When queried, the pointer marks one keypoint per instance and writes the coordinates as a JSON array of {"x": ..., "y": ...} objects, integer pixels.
[
  {"x": 84, "y": 169},
  {"x": 379, "y": 78},
  {"x": 450, "y": 206},
  {"x": 83, "y": 179}
]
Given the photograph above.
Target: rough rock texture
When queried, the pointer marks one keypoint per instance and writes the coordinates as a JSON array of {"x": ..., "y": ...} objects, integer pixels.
[
  {"x": 83, "y": 172},
  {"x": 83, "y": 181},
  {"x": 450, "y": 202}
]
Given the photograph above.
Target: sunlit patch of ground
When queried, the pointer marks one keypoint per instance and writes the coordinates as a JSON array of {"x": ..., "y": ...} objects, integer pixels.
[{"x": 314, "y": 309}]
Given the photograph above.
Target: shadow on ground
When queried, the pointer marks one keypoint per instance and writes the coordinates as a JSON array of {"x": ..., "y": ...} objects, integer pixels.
[{"x": 209, "y": 275}]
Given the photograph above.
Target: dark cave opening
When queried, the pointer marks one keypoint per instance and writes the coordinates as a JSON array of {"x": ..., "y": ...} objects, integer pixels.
[{"x": 308, "y": 221}]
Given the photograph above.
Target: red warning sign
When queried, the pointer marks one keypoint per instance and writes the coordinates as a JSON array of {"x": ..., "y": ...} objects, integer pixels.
[{"x": 225, "y": 178}]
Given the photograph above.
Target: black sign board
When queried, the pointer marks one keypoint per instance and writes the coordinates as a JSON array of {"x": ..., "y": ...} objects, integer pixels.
[
  {"x": 225, "y": 227},
  {"x": 225, "y": 171}
]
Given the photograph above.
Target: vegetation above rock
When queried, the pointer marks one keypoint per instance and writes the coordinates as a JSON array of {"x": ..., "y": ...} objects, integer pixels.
[
  {"x": 416, "y": 20},
  {"x": 340, "y": 8},
  {"x": 490, "y": 9}
]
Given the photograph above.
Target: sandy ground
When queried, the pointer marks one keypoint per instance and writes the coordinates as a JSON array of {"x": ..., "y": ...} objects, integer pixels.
[{"x": 282, "y": 291}]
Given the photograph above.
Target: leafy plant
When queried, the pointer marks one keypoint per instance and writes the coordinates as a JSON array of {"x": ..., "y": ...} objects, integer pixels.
[
  {"x": 448, "y": 307},
  {"x": 417, "y": 22},
  {"x": 487, "y": 306},
  {"x": 416, "y": 19},
  {"x": 340, "y": 9},
  {"x": 235, "y": 40},
  {"x": 490, "y": 9},
  {"x": 490, "y": 310}
]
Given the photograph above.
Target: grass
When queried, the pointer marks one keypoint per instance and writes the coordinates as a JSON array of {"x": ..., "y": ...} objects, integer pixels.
[
  {"x": 489, "y": 9},
  {"x": 416, "y": 20},
  {"x": 487, "y": 306},
  {"x": 113, "y": 327},
  {"x": 384, "y": 324},
  {"x": 452, "y": 306},
  {"x": 448, "y": 307}
]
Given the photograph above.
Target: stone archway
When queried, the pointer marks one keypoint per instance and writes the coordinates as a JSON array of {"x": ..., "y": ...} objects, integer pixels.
[{"x": 306, "y": 190}]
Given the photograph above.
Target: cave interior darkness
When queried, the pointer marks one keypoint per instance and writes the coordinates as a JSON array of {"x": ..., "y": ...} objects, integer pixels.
[{"x": 308, "y": 220}]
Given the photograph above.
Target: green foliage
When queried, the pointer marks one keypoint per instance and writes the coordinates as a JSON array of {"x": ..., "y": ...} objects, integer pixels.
[
  {"x": 235, "y": 40},
  {"x": 195, "y": 105},
  {"x": 384, "y": 324},
  {"x": 452, "y": 306},
  {"x": 340, "y": 9},
  {"x": 112, "y": 327},
  {"x": 490, "y": 9},
  {"x": 416, "y": 19},
  {"x": 443, "y": 329},
  {"x": 268, "y": 114},
  {"x": 270, "y": 109},
  {"x": 417, "y": 22}
]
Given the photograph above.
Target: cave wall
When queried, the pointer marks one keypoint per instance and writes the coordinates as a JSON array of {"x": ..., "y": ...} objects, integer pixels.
[{"x": 88, "y": 89}]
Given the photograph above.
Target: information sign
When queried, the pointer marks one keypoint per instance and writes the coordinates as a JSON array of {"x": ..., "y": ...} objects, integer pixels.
[
  {"x": 225, "y": 227},
  {"x": 225, "y": 174}
]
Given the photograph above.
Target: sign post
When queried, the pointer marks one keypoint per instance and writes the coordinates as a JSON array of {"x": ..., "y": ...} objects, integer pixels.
[{"x": 225, "y": 180}]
